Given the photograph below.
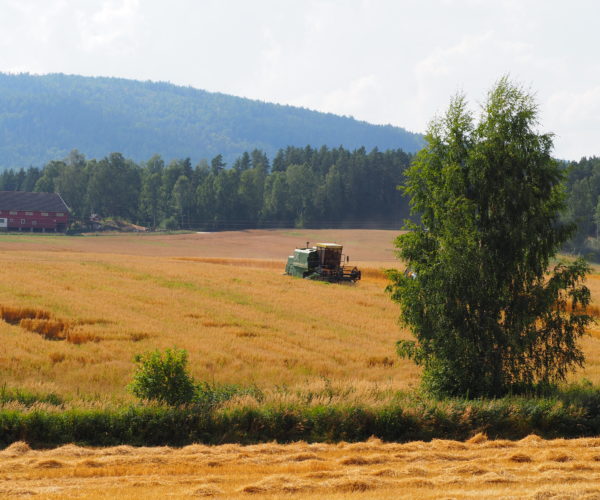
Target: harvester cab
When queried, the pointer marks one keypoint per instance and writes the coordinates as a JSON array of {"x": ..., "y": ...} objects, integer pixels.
[{"x": 324, "y": 261}]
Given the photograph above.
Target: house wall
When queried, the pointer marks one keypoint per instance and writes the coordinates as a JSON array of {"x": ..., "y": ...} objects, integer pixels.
[{"x": 36, "y": 221}]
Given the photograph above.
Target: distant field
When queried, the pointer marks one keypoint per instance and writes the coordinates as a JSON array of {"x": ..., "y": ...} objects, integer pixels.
[
  {"x": 360, "y": 245},
  {"x": 529, "y": 468},
  {"x": 221, "y": 296}
]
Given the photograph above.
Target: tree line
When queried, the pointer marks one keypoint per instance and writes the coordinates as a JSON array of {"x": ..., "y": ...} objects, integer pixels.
[
  {"x": 583, "y": 188},
  {"x": 301, "y": 187}
]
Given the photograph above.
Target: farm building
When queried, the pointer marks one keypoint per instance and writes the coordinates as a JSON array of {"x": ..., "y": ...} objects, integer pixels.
[{"x": 34, "y": 212}]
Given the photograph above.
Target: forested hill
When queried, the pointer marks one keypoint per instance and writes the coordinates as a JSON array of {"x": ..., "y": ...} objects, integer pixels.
[{"x": 43, "y": 118}]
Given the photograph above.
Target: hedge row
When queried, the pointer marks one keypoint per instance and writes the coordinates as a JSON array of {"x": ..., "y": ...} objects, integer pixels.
[{"x": 150, "y": 426}]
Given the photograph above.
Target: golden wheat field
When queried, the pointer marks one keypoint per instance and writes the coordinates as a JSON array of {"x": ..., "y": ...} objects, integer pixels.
[
  {"x": 531, "y": 468},
  {"x": 77, "y": 309}
]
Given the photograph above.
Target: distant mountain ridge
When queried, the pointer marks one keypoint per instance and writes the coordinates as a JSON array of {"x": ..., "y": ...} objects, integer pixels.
[{"x": 43, "y": 117}]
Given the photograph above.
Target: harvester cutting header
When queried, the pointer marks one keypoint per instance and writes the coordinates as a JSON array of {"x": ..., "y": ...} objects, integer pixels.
[{"x": 324, "y": 262}]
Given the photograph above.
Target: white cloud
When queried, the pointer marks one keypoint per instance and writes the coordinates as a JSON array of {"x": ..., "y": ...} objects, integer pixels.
[
  {"x": 440, "y": 62},
  {"x": 575, "y": 107},
  {"x": 109, "y": 27},
  {"x": 575, "y": 116},
  {"x": 473, "y": 64},
  {"x": 382, "y": 61},
  {"x": 353, "y": 99},
  {"x": 271, "y": 58},
  {"x": 447, "y": 70}
]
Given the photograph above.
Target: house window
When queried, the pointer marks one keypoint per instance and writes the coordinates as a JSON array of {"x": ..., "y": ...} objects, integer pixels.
[
  {"x": 28, "y": 213},
  {"x": 22, "y": 221},
  {"x": 45, "y": 214},
  {"x": 13, "y": 213},
  {"x": 60, "y": 214}
]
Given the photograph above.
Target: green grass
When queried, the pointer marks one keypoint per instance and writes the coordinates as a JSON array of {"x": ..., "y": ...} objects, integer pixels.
[
  {"x": 27, "y": 398},
  {"x": 34, "y": 238},
  {"x": 569, "y": 413}
]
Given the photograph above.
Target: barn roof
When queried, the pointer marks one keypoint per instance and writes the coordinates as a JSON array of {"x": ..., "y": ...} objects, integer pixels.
[{"x": 39, "y": 202}]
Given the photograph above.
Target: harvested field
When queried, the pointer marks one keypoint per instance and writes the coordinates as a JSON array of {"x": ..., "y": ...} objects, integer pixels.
[
  {"x": 361, "y": 245},
  {"x": 530, "y": 468}
]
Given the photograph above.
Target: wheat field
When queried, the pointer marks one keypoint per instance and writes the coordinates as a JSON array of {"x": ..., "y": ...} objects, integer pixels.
[
  {"x": 77, "y": 309},
  {"x": 88, "y": 306},
  {"x": 530, "y": 468}
]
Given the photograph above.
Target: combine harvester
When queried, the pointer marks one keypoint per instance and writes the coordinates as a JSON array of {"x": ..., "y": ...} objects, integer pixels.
[{"x": 323, "y": 262}]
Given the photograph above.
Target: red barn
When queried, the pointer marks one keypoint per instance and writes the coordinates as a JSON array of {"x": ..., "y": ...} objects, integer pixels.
[{"x": 39, "y": 212}]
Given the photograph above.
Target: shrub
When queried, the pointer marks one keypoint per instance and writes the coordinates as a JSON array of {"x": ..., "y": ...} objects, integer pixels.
[
  {"x": 163, "y": 377},
  {"x": 169, "y": 224}
]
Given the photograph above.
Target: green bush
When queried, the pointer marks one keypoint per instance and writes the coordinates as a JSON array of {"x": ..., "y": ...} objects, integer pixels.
[
  {"x": 163, "y": 377},
  {"x": 169, "y": 224},
  {"x": 209, "y": 395}
]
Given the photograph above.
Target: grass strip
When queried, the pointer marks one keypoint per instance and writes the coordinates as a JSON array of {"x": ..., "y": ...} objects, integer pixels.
[{"x": 572, "y": 416}]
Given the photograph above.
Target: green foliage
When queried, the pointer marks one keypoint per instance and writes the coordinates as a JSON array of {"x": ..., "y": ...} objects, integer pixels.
[
  {"x": 572, "y": 412},
  {"x": 310, "y": 188},
  {"x": 488, "y": 314},
  {"x": 583, "y": 188},
  {"x": 28, "y": 398},
  {"x": 169, "y": 224},
  {"x": 163, "y": 377},
  {"x": 210, "y": 396}
]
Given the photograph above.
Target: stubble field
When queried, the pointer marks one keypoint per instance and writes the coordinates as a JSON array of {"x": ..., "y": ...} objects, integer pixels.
[
  {"x": 530, "y": 468},
  {"x": 93, "y": 302}
]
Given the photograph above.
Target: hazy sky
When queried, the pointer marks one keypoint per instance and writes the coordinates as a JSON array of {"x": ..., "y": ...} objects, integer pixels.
[{"x": 382, "y": 61}]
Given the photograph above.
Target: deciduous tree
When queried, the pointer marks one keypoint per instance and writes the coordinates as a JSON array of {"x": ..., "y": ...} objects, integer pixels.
[{"x": 490, "y": 309}]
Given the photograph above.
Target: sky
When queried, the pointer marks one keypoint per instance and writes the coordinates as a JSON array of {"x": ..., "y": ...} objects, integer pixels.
[{"x": 382, "y": 61}]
